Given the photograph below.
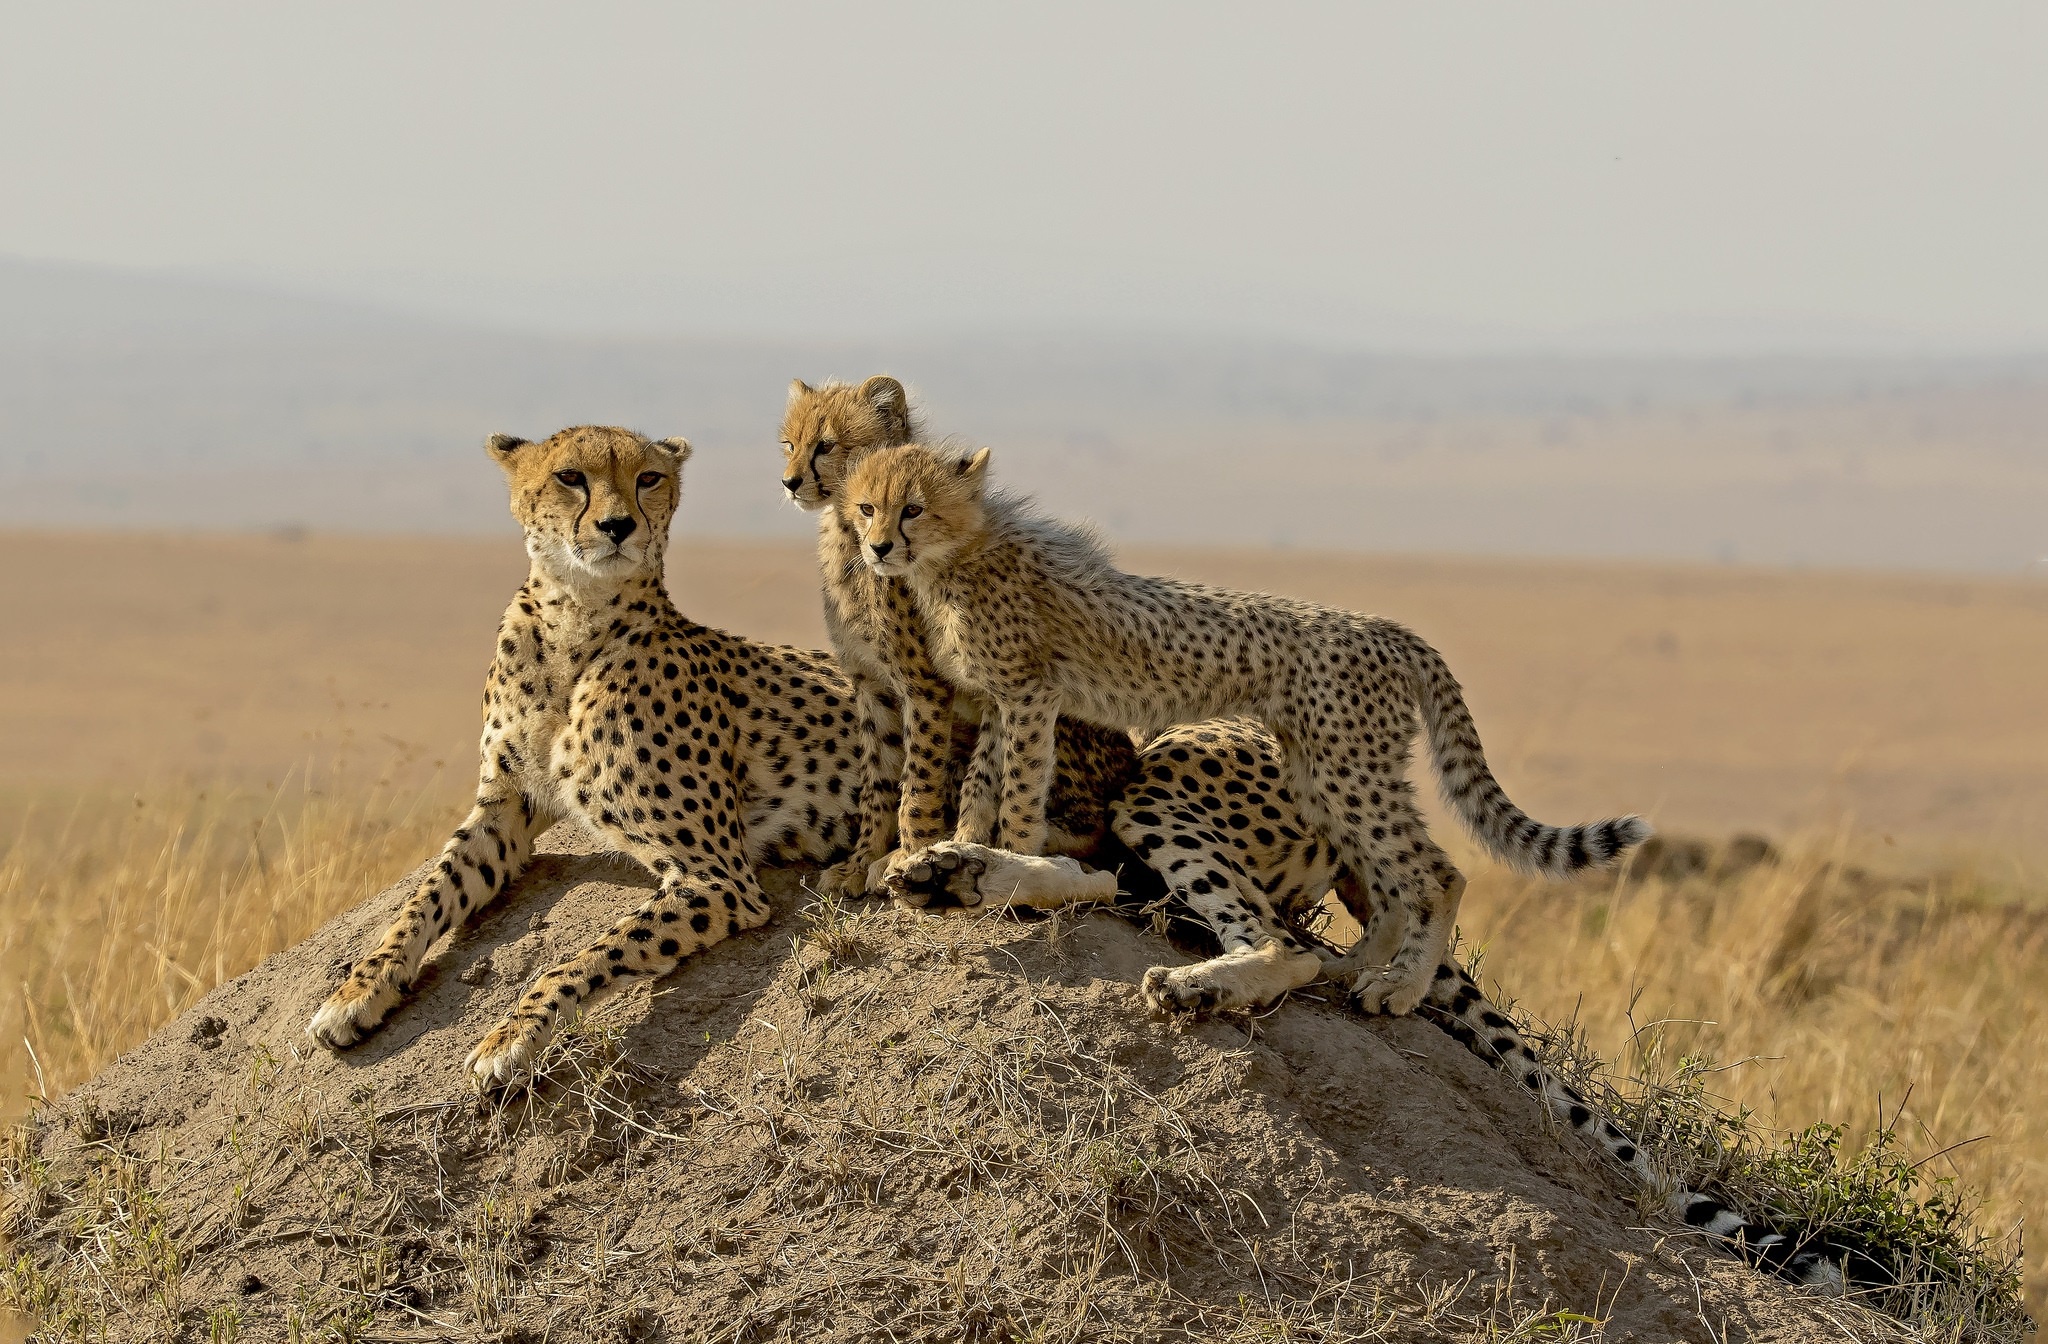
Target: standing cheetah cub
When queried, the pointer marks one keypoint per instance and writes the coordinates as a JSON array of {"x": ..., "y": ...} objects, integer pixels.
[
  {"x": 827, "y": 431},
  {"x": 1032, "y": 615}
]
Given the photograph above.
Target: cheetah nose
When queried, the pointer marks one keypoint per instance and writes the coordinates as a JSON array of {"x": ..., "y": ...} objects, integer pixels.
[
  {"x": 618, "y": 529},
  {"x": 790, "y": 483},
  {"x": 881, "y": 548}
]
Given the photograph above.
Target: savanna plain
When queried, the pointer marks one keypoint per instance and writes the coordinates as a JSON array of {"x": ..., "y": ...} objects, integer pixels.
[{"x": 211, "y": 745}]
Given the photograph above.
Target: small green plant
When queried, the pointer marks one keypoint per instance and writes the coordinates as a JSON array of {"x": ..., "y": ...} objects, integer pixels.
[{"x": 224, "y": 1324}]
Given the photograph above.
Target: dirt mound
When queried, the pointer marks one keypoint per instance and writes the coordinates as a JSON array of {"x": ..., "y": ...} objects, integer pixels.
[{"x": 844, "y": 1127}]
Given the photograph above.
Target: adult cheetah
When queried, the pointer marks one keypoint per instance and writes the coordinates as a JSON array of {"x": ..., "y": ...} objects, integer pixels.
[
  {"x": 1033, "y": 615},
  {"x": 697, "y": 752}
]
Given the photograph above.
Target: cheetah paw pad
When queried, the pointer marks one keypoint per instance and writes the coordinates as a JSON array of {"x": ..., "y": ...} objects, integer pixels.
[{"x": 944, "y": 874}]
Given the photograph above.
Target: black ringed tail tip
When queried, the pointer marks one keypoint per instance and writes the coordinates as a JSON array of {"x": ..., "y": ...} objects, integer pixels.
[{"x": 1456, "y": 1006}]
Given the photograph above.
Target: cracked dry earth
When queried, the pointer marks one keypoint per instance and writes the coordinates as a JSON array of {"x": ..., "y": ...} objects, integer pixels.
[{"x": 850, "y": 1125}]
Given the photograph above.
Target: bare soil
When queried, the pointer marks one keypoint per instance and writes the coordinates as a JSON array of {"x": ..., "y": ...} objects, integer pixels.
[{"x": 865, "y": 1126}]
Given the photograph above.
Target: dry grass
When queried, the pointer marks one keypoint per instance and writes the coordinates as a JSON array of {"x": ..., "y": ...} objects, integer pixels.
[
  {"x": 1908, "y": 1008},
  {"x": 118, "y": 912},
  {"x": 1909, "y": 1011}
]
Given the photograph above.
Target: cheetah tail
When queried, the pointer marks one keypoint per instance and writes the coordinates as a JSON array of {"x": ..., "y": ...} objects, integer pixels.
[
  {"x": 1468, "y": 785},
  {"x": 1456, "y": 1005}
]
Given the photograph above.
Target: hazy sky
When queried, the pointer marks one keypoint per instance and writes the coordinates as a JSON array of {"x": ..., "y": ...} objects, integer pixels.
[{"x": 1625, "y": 176}]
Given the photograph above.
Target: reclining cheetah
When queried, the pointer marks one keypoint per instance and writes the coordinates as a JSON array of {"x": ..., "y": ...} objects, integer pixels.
[
  {"x": 697, "y": 752},
  {"x": 1032, "y": 615},
  {"x": 880, "y": 642},
  {"x": 1214, "y": 845}
]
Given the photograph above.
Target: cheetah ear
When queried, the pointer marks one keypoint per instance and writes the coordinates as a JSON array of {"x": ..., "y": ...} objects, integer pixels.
[
  {"x": 975, "y": 468},
  {"x": 679, "y": 446},
  {"x": 502, "y": 446},
  {"x": 883, "y": 393},
  {"x": 886, "y": 395},
  {"x": 798, "y": 389}
]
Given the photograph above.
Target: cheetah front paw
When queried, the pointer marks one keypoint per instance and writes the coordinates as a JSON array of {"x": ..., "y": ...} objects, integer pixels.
[
  {"x": 954, "y": 872},
  {"x": 1039, "y": 882},
  {"x": 507, "y": 1053},
  {"x": 358, "y": 1008},
  {"x": 944, "y": 874},
  {"x": 846, "y": 879},
  {"x": 1388, "y": 990}
]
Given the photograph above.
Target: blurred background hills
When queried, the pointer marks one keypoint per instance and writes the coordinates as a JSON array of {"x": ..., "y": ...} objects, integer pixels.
[{"x": 139, "y": 399}]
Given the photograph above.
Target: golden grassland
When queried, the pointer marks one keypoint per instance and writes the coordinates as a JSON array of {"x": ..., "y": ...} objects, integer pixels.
[
  {"x": 245, "y": 681},
  {"x": 1825, "y": 993},
  {"x": 1810, "y": 992},
  {"x": 118, "y": 912}
]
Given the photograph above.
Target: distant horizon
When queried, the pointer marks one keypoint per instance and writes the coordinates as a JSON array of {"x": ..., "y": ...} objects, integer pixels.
[
  {"x": 1676, "y": 340},
  {"x": 129, "y": 399}
]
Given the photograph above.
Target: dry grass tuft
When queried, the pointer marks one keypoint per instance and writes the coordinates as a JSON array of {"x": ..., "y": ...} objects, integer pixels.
[
  {"x": 1886, "y": 1029},
  {"x": 119, "y": 912}
]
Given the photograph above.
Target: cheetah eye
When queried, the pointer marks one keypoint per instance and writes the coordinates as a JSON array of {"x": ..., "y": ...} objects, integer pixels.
[
  {"x": 912, "y": 510},
  {"x": 867, "y": 510},
  {"x": 572, "y": 479},
  {"x": 649, "y": 478},
  {"x": 824, "y": 446}
]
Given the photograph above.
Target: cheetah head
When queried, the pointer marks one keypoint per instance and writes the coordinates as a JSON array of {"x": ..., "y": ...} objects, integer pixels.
[
  {"x": 827, "y": 430},
  {"x": 594, "y": 501},
  {"x": 914, "y": 507}
]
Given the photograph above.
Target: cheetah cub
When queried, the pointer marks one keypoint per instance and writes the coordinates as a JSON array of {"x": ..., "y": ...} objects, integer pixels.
[
  {"x": 826, "y": 432},
  {"x": 1032, "y": 615},
  {"x": 697, "y": 752}
]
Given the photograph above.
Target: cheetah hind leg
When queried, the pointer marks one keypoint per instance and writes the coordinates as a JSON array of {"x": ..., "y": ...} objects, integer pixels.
[
  {"x": 1262, "y": 961},
  {"x": 976, "y": 877},
  {"x": 1371, "y": 963}
]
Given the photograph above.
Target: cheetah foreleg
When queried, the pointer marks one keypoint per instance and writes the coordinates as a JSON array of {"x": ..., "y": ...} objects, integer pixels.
[
  {"x": 1250, "y": 977},
  {"x": 979, "y": 787},
  {"x": 1030, "y": 740},
  {"x": 977, "y": 877},
  {"x": 927, "y": 767},
  {"x": 881, "y": 727},
  {"x": 689, "y": 914},
  {"x": 477, "y": 864}
]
